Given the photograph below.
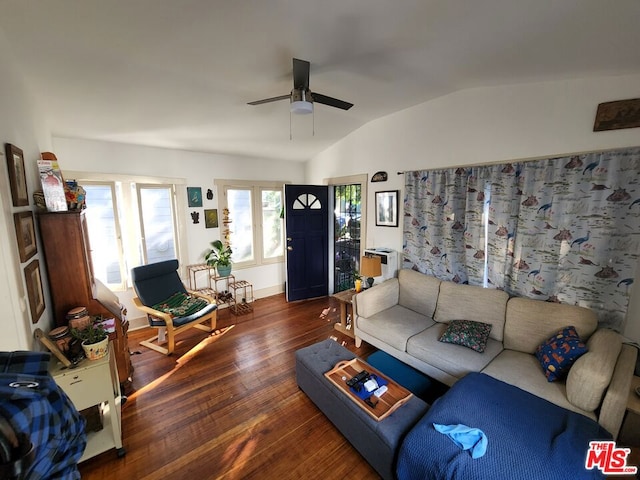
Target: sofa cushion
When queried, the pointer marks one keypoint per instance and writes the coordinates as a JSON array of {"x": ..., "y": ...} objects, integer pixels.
[
  {"x": 394, "y": 326},
  {"x": 531, "y": 322},
  {"x": 418, "y": 291},
  {"x": 558, "y": 353},
  {"x": 378, "y": 298},
  {"x": 467, "y": 333},
  {"x": 523, "y": 370},
  {"x": 591, "y": 374},
  {"x": 455, "y": 360},
  {"x": 472, "y": 303}
]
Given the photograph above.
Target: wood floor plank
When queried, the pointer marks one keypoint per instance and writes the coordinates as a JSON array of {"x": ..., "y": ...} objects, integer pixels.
[{"x": 227, "y": 406}]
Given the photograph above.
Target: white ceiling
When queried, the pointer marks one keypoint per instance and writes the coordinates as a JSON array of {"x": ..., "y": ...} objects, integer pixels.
[{"x": 179, "y": 73}]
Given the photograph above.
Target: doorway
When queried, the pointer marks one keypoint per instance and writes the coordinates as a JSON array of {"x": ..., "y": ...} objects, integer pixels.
[{"x": 346, "y": 235}]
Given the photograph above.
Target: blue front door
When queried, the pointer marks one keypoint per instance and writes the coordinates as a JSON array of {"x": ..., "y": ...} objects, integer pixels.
[{"x": 307, "y": 234}]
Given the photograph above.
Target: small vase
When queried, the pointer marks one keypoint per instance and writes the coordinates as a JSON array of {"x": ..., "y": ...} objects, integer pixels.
[
  {"x": 223, "y": 270},
  {"x": 358, "y": 285},
  {"x": 94, "y": 351}
]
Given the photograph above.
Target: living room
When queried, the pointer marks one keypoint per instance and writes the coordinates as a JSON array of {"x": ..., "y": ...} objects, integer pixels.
[{"x": 467, "y": 124}]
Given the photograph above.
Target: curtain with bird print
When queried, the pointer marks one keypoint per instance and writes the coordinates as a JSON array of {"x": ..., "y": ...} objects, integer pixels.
[{"x": 561, "y": 229}]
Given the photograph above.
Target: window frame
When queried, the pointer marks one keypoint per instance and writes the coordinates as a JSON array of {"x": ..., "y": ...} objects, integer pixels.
[{"x": 256, "y": 188}]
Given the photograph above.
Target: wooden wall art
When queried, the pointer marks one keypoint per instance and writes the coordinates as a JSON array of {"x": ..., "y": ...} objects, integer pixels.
[{"x": 617, "y": 115}]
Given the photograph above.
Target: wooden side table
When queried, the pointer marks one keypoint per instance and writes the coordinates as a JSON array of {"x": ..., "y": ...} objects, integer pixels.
[{"x": 344, "y": 298}]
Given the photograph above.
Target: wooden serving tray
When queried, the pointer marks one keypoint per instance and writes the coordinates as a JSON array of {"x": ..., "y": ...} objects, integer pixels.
[{"x": 391, "y": 400}]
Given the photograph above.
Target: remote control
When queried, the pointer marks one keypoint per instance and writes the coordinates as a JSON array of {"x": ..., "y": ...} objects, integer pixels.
[
  {"x": 380, "y": 391},
  {"x": 360, "y": 377}
]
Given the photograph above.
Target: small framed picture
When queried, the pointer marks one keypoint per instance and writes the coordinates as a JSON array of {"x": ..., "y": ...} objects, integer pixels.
[
  {"x": 387, "y": 208},
  {"x": 34, "y": 290},
  {"x": 17, "y": 176},
  {"x": 211, "y": 218},
  {"x": 26, "y": 235},
  {"x": 194, "y": 195}
]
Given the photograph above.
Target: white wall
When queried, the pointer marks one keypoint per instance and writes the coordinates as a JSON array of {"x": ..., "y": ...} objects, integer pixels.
[
  {"x": 20, "y": 126},
  {"x": 197, "y": 170},
  {"x": 481, "y": 125}
]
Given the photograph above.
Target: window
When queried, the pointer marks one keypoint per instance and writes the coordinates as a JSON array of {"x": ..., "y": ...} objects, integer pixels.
[
  {"x": 255, "y": 231},
  {"x": 130, "y": 223}
]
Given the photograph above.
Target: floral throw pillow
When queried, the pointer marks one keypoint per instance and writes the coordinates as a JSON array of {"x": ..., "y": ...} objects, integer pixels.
[
  {"x": 467, "y": 333},
  {"x": 559, "y": 352}
]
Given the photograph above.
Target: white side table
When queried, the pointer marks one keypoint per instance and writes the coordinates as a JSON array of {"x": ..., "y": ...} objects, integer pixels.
[{"x": 95, "y": 382}]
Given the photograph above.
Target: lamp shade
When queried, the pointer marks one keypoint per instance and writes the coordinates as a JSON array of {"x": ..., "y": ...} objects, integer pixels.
[{"x": 371, "y": 266}]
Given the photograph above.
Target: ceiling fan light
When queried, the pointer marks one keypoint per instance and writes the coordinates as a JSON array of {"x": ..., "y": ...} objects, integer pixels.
[{"x": 301, "y": 107}]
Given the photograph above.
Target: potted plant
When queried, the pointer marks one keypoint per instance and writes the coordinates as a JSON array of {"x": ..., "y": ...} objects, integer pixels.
[
  {"x": 94, "y": 340},
  {"x": 219, "y": 257}
]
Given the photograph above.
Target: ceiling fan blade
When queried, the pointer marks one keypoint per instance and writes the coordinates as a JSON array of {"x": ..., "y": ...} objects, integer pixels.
[
  {"x": 301, "y": 74},
  {"x": 332, "y": 102},
  {"x": 269, "y": 100}
]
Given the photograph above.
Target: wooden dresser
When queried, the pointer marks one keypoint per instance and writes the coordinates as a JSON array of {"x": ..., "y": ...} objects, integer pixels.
[{"x": 67, "y": 253}]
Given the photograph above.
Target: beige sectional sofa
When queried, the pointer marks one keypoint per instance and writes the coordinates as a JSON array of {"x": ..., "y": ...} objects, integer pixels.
[{"x": 405, "y": 317}]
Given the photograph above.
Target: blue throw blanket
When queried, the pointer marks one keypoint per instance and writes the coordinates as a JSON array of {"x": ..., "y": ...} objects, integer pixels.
[{"x": 528, "y": 437}]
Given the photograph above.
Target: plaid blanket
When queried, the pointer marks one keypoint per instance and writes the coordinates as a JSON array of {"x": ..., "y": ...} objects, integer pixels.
[
  {"x": 43, "y": 412},
  {"x": 181, "y": 305}
]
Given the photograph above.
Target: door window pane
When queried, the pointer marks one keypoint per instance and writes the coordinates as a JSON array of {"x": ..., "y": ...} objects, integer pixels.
[{"x": 156, "y": 210}]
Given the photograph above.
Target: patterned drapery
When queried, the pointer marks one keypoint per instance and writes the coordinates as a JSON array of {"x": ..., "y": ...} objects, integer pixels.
[{"x": 560, "y": 229}]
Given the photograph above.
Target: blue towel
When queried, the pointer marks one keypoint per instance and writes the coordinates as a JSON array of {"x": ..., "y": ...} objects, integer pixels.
[{"x": 466, "y": 438}]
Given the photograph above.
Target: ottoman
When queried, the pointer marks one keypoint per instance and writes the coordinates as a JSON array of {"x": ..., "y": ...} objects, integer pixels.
[{"x": 377, "y": 442}]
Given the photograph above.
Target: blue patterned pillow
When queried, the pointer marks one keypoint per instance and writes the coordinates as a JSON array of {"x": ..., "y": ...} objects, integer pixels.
[
  {"x": 559, "y": 352},
  {"x": 467, "y": 333}
]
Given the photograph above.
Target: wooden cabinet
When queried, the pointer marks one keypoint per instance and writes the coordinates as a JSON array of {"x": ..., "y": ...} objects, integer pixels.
[{"x": 67, "y": 253}]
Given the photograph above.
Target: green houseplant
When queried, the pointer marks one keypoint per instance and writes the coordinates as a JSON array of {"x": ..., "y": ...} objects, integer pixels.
[
  {"x": 94, "y": 340},
  {"x": 219, "y": 257}
]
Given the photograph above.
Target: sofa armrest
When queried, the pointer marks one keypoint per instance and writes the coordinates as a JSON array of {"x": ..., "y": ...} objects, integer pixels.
[
  {"x": 615, "y": 400},
  {"x": 376, "y": 299}
]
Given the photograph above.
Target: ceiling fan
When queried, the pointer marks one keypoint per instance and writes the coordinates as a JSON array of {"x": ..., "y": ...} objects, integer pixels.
[{"x": 301, "y": 97}]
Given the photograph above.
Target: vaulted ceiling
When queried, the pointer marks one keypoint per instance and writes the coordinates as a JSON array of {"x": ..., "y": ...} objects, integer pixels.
[{"x": 179, "y": 73}]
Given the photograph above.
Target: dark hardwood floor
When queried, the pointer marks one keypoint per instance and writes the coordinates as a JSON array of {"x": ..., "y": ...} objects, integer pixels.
[{"x": 227, "y": 406}]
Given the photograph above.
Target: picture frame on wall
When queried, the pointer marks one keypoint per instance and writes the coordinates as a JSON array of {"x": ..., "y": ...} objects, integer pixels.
[
  {"x": 387, "y": 208},
  {"x": 17, "y": 176},
  {"x": 211, "y": 218},
  {"x": 26, "y": 235},
  {"x": 34, "y": 290},
  {"x": 194, "y": 196}
]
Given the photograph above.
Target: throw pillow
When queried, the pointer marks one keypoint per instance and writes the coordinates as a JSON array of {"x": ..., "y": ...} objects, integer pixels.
[
  {"x": 467, "y": 333},
  {"x": 559, "y": 352}
]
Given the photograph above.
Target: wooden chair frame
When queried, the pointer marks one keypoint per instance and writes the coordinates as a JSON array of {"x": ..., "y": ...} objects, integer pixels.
[{"x": 155, "y": 342}]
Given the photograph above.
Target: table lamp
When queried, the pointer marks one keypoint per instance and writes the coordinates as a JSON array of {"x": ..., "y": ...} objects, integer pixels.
[{"x": 370, "y": 267}]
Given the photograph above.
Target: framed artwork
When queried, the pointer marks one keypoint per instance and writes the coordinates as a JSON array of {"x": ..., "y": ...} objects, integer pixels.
[
  {"x": 34, "y": 290},
  {"x": 211, "y": 218},
  {"x": 387, "y": 208},
  {"x": 617, "y": 115},
  {"x": 26, "y": 235},
  {"x": 17, "y": 177},
  {"x": 194, "y": 195}
]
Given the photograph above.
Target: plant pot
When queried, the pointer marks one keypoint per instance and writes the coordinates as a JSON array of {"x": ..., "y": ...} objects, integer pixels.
[
  {"x": 94, "y": 351},
  {"x": 223, "y": 270}
]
